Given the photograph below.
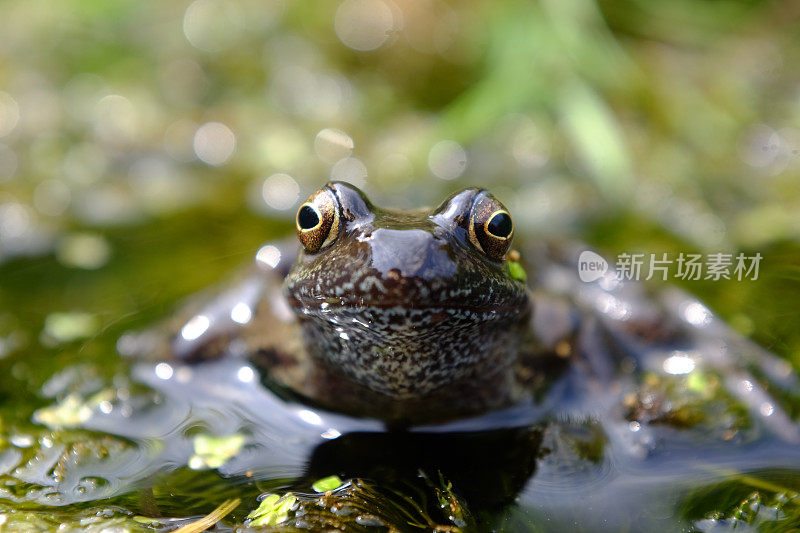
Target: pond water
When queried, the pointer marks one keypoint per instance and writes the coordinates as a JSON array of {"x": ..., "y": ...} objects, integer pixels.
[{"x": 90, "y": 435}]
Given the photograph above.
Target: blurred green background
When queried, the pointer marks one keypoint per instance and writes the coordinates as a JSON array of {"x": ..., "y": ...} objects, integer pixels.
[{"x": 148, "y": 148}]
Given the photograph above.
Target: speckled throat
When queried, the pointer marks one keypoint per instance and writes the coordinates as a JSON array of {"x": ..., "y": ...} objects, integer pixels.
[{"x": 407, "y": 353}]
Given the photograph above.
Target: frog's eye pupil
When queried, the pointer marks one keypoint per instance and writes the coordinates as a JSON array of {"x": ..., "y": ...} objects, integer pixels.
[
  {"x": 500, "y": 225},
  {"x": 307, "y": 217}
]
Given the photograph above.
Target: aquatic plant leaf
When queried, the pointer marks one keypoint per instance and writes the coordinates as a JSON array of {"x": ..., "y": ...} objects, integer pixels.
[
  {"x": 327, "y": 483},
  {"x": 516, "y": 271},
  {"x": 273, "y": 510}
]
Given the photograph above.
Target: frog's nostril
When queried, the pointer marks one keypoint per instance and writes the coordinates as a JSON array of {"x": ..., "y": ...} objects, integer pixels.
[{"x": 394, "y": 279}]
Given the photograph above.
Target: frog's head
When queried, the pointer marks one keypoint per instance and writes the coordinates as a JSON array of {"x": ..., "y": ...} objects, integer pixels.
[{"x": 405, "y": 302}]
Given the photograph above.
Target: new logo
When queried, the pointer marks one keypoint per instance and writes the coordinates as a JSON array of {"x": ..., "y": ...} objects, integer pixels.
[{"x": 591, "y": 266}]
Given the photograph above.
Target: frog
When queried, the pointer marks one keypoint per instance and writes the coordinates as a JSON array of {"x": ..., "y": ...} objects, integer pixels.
[
  {"x": 407, "y": 316},
  {"x": 425, "y": 316},
  {"x": 377, "y": 332}
]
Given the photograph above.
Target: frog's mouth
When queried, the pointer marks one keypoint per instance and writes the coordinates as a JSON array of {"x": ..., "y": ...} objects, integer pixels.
[
  {"x": 474, "y": 290},
  {"x": 336, "y": 304},
  {"x": 393, "y": 327}
]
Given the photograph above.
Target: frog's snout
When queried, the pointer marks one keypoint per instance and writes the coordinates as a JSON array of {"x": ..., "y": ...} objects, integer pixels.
[{"x": 409, "y": 253}]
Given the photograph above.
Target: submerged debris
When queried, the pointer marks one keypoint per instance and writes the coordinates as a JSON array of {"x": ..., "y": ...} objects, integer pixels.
[
  {"x": 685, "y": 402},
  {"x": 92, "y": 520},
  {"x": 73, "y": 410},
  {"x": 737, "y": 506},
  {"x": 210, "y": 519},
  {"x": 359, "y": 505}
]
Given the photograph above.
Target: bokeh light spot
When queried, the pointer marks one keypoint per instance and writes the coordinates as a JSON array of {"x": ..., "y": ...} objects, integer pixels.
[
  {"x": 268, "y": 256},
  {"x": 678, "y": 363},
  {"x": 214, "y": 143},
  {"x": 696, "y": 314},
  {"x": 364, "y": 25},
  {"x": 195, "y": 327},
  {"x": 15, "y": 219},
  {"x": 280, "y": 191},
  {"x": 245, "y": 374},
  {"x": 241, "y": 313},
  {"x": 164, "y": 371},
  {"x": 213, "y": 25},
  {"x": 331, "y": 145},
  {"x": 83, "y": 250},
  {"x": 351, "y": 170},
  {"x": 70, "y": 326},
  {"x": 447, "y": 160},
  {"x": 115, "y": 119},
  {"x": 310, "y": 417}
]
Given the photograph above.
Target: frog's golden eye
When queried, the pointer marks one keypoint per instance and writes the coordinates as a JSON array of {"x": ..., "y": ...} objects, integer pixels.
[
  {"x": 317, "y": 220},
  {"x": 490, "y": 227}
]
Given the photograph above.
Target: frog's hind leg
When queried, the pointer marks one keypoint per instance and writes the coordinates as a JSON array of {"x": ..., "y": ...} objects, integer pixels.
[
  {"x": 749, "y": 371},
  {"x": 665, "y": 335},
  {"x": 670, "y": 333}
]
